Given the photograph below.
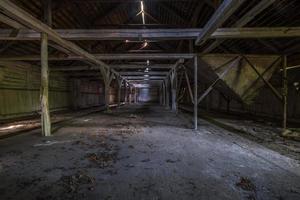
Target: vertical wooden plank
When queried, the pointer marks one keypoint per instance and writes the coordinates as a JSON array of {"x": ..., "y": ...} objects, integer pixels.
[
  {"x": 195, "y": 92},
  {"x": 168, "y": 92},
  {"x": 130, "y": 95},
  {"x": 45, "y": 116},
  {"x": 106, "y": 93},
  {"x": 106, "y": 87},
  {"x": 284, "y": 92},
  {"x": 120, "y": 81},
  {"x": 135, "y": 95},
  {"x": 161, "y": 95},
  {"x": 174, "y": 90},
  {"x": 126, "y": 94},
  {"x": 164, "y": 93},
  {"x": 107, "y": 77}
]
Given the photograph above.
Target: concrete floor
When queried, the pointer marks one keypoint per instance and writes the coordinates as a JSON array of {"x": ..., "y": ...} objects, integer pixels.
[{"x": 141, "y": 152}]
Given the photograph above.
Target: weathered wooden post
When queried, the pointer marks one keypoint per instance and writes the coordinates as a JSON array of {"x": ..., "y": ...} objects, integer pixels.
[
  {"x": 106, "y": 93},
  {"x": 161, "y": 95},
  {"x": 284, "y": 92},
  {"x": 120, "y": 81},
  {"x": 130, "y": 93},
  {"x": 126, "y": 94},
  {"x": 164, "y": 93},
  {"x": 168, "y": 92},
  {"x": 195, "y": 92},
  {"x": 45, "y": 115},
  {"x": 135, "y": 95},
  {"x": 173, "y": 81},
  {"x": 107, "y": 78}
]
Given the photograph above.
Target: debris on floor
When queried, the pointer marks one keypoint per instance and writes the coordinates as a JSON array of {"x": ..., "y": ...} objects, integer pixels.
[
  {"x": 102, "y": 160},
  {"x": 133, "y": 116},
  {"x": 73, "y": 182},
  {"x": 49, "y": 143},
  {"x": 246, "y": 184}
]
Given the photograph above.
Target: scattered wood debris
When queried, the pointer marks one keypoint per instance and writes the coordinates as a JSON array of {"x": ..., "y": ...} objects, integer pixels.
[
  {"x": 103, "y": 159},
  {"x": 73, "y": 182},
  {"x": 246, "y": 184}
]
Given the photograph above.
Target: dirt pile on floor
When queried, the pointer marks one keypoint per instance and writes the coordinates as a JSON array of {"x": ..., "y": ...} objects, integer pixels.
[
  {"x": 73, "y": 182},
  {"x": 246, "y": 184},
  {"x": 103, "y": 159}
]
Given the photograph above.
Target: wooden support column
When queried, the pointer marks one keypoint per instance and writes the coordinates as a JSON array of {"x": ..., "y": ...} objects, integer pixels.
[
  {"x": 173, "y": 78},
  {"x": 107, "y": 96},
  {"x": 284, "y": 93},
  {"x": 45, "y": 115},
  {"x": 130, "y": 93},
  {"x": 160, "y": 95},
  {"x": 168, "y": 93},
  {"x": 135, "y": 95},
  {"x": 120, "y": 81},
  {"x": 163, "y": 93},
  {"x": 107, "y": 77},
  {"x": 195, "y": 92},
  {"x": 126, "y": 94}
]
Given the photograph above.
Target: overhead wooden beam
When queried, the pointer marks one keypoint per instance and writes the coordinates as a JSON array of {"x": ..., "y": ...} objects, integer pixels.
[
  {"x": 291, "y": 67},
  {"x": 162, "y": 56},
  {"x": 144, "y": 78},
  {"x": 244, "y": 20},
  {"x": 155, "y": 34},
  {"x": 107, "y": 34},
  {"x": 143, "y": 73},
  {"x": 225, "y": 10},
  {"x": 117, "y": 67},
  {"x": 139, "y": 66},
  {"x": 142, "y": 81},
  {"x": 10, "y": 22},
  {"x": 194, "y": 20},
  {"x": 86, "y": 74},
  {"x": 260, "y": 32},
  {"x": 128, "y": 1},
  {"x": 19, "y": 27},
  {"x": 28, "y": 20}
]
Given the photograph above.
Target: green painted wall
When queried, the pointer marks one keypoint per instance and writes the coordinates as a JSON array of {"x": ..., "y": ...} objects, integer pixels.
[{"x": 20, "y": 91}]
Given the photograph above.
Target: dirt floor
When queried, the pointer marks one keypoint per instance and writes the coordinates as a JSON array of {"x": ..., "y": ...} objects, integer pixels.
[
  {"x": 263, "y": 132},
  {"x": 9, "y": 127},
  {"x": 143, "y": 152}
]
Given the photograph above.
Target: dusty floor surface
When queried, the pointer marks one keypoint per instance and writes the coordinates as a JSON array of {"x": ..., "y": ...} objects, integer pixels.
[
  {"x": 9, "y": 127},
  {"x": 141, "y": 152},
  {"x": 265, "y": 133}
]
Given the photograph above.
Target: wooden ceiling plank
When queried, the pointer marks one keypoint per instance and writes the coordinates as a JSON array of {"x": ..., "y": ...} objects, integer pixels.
[
  {"x": 249, "y": 16},
  {"x": 25, "y": 18},
  {"x": 225, "y": 10}
]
